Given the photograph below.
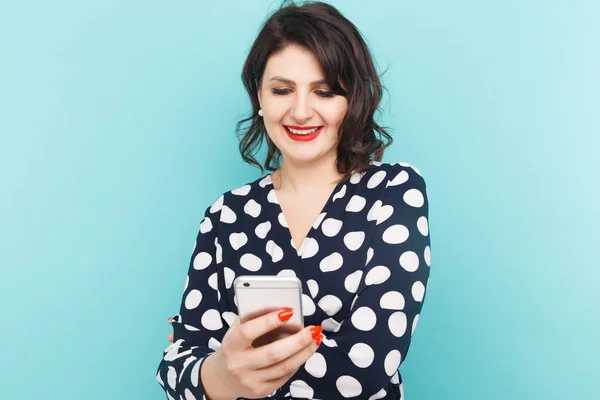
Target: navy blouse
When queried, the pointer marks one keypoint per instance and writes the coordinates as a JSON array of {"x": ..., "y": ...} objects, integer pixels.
[{"x": 364, "y": 267}]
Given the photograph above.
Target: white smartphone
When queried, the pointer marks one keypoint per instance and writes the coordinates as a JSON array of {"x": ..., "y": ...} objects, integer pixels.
[{"x": 258, "y": 295}]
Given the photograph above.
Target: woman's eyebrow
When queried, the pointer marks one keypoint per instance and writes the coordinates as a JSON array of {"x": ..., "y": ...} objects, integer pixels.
[{"x": 292, "y": 83}]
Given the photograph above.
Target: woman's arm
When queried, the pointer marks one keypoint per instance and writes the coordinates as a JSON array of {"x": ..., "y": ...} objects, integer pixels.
[{"x": 373, "y": 340}]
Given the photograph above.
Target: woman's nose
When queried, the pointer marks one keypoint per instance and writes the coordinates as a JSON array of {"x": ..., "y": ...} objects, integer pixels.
[{"x": 302, "y": 109}]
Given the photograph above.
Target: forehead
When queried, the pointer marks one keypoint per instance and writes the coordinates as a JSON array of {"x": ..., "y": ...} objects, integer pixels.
[{"x": 295, "y": 63}]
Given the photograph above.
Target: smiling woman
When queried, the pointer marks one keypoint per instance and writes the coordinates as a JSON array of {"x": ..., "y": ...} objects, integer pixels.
[{"x": 353, "y": 230}]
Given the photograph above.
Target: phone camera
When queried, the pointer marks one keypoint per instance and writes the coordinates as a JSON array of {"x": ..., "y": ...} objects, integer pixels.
[{"x": 246, "y": 284}]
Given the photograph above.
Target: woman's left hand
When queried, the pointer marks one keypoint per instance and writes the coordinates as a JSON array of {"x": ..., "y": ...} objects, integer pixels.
[{"x": 170, "y": 338}]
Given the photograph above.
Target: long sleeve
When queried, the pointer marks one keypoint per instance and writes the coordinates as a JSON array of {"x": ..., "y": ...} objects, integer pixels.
[
  {"x": 199, "y": 326},
  {"x": 372, "y": 341}
]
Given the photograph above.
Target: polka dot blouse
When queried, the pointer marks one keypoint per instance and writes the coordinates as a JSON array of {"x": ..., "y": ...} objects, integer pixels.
[{"x": 364, "y": 267}]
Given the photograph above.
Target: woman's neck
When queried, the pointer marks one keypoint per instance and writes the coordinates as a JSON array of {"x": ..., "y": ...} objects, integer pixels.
[{"x": 301, "y": 178}]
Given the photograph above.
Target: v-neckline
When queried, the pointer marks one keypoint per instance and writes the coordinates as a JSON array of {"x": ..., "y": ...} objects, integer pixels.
[{"x": 312, "y": 228}]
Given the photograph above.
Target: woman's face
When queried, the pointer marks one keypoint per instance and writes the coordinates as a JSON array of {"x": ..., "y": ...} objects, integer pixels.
[{"x": 301, "y": 114}]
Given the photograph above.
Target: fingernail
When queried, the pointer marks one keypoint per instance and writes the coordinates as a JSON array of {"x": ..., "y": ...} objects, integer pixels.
[
  {"x": 315, "y": 331},
  {"x": 318, "y": 339},
  {"x": 285, "y": 315},
  {"x": 170, "y": 319}
]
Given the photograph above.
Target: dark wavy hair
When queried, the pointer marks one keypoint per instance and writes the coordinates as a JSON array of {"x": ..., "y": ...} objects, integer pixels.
[{"x": 349, "y": 71}]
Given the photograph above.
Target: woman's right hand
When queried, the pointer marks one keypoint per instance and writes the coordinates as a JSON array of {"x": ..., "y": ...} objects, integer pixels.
[{"x": 237, "y": 369}]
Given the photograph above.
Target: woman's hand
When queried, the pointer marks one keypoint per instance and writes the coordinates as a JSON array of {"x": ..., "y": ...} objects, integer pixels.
[{"x": 237, "y": 369}]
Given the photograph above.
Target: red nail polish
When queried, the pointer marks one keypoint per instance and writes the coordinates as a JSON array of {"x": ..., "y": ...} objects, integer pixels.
[
  {"x": 318, "y": 339},
  {"x": 315, "y": 331},
  {"x": 285, "y": 315}
]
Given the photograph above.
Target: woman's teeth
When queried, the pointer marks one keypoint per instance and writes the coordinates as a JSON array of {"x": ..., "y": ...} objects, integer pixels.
[{"x": 302, "y": 132}]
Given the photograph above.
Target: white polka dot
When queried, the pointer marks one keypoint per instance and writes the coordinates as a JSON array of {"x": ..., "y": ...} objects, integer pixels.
[
  {"x": 402, "y": 391},
  {"x": 352, "y": 281},
  {"x": 362, "y": 355},
  {"x": 374, "y": 211},
  {"x": 356, "y": 177},
  {"x": 272, "y": 197},
  {"x": 190, "y": 328},
  {"x": 392, "y": 301},
  {"x": 319, "y": 220},
  {"x": 262, "y": 229},
  {"x": 396, "y": 378},
  {"x": 381, "y": 394},
  {"x": 418, "y": 291},
  {"x": 376, "y": 179},
  {"x": 252, "y": 208},
  {"x": 370, "y": 253},
  {"x": 313, "y": 287},
  {"x": 415, "y": 169},
  {"x": 250, "y": 262},
  {"x": 267, "y": 180},
  {"x": 414, "y": 198},
  {"x": 159, "y": 379},
  {"x": 229, "y": 277},
  {"x": 397, "y": 323},
  {"x": 330, "y": 325},
  {"x": 427, "y": 256},
  {"x": 356, "y": 203},
  {"x": 172, "y": 377},
  {"x": 214, "y": 344},
  {"x": 377, "y": 275},
  {"x": 202, "y": 260},
  {"x": 187, "y": 282},
  {"x": 213, "y": 281},
  {"x": 332, "y": 262},
  {"x": 195, "y": 374},
  {"x": 331, "y": 227},
  {"x": 330, "y": 304},
  {"x": 364, "y": 319},
  {"x": 353, "y": 240},
  {"x": 217, "y": 205},
  {"x": 243, "y": 191},
  {"x": 409, "y": 261},
  {"x": 414, "y": 325},
  {"x": 341, "y": 193},
  {"x": 377, "y": 163},
  {"x": 384, "y": 213},
  {"x": 423, "y": 226},
  {"x": 237, "y": 240},
  {"x": 308, "y": 306},
  {"x": 395, "y": 234},
  {"x": 316, "y": 365},
  {"x": 229, "y": 317},
  {"x": 309, "y": 248},
  {"x": 211, "y": 320},
  {"x": 218, "y": 252},
  {"x": 398, "y": 179},
  {"x": 348, "y": 386},
  {"x": 392, "y": 362},
  {"x": 188, "y": 395},
  {"x": 206, "y": 225},
  {"x": 301, "y": 389},
  {"x": 282, "y": 220},
  {"x": 287, "y": 272},
  {"x": 329, "y": 342},
  {"x": 227, "y": 215},
  {"x": 193, "y": 299},
  {"x": 274, "y": 251}
]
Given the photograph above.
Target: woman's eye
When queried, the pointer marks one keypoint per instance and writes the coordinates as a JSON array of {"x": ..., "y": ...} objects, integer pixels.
[
  {"x": 325, "y": 93},
  {"x": 281, "y": 91}
]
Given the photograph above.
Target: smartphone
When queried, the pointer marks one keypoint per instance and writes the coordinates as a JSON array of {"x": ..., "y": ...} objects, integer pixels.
[{"x": 258, "y": 295}]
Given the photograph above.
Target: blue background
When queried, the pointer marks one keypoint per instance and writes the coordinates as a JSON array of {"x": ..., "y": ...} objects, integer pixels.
[{"x": 117, "y": 131}]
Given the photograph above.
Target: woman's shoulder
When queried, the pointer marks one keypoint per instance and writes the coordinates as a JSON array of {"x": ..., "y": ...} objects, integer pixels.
[
  {"x": 246, "y": 197},
  {"x": 392, "y": 173}
]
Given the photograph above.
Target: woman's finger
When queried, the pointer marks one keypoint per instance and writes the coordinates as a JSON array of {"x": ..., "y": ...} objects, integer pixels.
[
  {"x": 247, "y": 332},
  {"x": 171, "y": 337},
  {"x": 282, "y": 349}
]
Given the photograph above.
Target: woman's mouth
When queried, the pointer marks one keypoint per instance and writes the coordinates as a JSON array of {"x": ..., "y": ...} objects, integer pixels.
[{"x": 303, "y": 133}]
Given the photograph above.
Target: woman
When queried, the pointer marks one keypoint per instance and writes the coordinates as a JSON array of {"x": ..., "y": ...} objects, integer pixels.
[{"x": 353, "y": 230}]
